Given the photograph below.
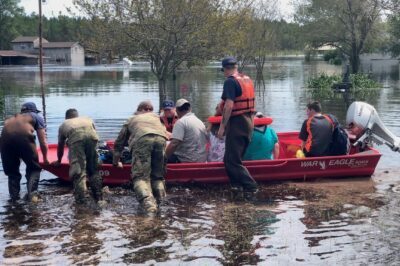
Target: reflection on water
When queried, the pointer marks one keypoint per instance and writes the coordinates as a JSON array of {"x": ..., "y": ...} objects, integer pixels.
[
  {"x": 337, "y": 223},
  {"x": 194, "y": 227}
]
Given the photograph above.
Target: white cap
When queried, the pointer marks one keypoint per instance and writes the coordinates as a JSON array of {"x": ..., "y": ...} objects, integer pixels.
[
  {"x": 181, "y": 102},
  {"x": 259, "y": 114}
]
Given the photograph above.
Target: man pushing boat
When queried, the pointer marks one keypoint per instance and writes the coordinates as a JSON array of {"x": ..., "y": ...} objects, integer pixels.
[
  {"x": 80, "y": 135},
  {"x": 146, "y": 137}
]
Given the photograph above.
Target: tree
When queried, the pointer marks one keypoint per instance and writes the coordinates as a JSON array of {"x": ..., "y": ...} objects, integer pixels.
[
  {"x": 345, "y": 24},
  {"x": 394, "y": 23},
  {"x": 167, "y": 32},
  {"x": 394, "y": 27},
  {"x": 8, "y": 11}
]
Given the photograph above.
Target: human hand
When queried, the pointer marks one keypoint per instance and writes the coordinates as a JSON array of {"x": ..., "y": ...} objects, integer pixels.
[
  {"x": 221, "y": 132},
  {"x": 118, "y": 165},
  {"x": 55, "y": 163}
]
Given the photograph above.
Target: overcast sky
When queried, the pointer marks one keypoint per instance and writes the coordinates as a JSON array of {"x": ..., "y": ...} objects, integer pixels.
[{"x": 54, "y": 7}]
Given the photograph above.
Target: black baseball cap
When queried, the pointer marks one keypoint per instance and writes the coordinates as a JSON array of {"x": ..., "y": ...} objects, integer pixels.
[
  {"x": 229, "y": 61},
  {"x": 168, "y": 104},
  {"x": 29, "y": 107}
]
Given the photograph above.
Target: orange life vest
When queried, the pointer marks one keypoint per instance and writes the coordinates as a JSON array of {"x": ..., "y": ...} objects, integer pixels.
[
  {"x": 168, "y": 125},
  {"x": 308, "y": 144},
  {"x": 246, "y": 102}
]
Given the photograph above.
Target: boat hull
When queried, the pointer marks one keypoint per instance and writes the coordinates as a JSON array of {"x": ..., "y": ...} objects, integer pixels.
[{"x": 287, "y": 167}]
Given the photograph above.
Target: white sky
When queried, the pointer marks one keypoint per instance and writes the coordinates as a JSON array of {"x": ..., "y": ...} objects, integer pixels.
[
  {"x": 50, "y": 8},
  {"x": 54, "y": 7}
]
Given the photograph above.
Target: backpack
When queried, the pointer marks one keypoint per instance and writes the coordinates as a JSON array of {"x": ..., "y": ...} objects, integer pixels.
[{"x": 340, "y": 143}]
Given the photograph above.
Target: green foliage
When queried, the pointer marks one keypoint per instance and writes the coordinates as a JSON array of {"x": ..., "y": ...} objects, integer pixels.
[
  {"x": 9, "y": 10},
  {"x": 321, "y": 87},
  {"x": 345, "y": 24},
  {"x": 362, "y": 87},
  {"x": 394, "y": 30},
  {"x": 333, "y": 57}
]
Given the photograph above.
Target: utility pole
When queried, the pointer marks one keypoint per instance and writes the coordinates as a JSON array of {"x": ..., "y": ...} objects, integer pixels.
[{"x": 41, "y": 61}]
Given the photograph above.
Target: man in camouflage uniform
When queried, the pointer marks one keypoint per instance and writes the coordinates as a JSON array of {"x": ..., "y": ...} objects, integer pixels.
[
  {"x": 146, "y": 137},
  {"x": 81, "y": 138}
]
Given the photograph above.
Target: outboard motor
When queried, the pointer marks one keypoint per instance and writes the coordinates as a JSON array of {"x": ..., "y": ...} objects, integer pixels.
[{"x": 366, "y": 124}]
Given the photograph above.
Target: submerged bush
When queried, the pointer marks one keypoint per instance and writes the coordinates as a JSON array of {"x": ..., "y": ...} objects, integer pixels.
[
  {"x": 333, "y": 57},
  {"x": 362, "y": 87}
]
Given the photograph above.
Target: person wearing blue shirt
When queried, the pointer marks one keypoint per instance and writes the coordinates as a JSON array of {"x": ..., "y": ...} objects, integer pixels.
[
  {"x": 264, "y": 143},
  {"x": 17, "y": 143}
]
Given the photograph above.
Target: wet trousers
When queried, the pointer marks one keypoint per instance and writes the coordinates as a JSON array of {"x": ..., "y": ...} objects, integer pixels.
[
  {"x": 148, "y": 170},
  {"x": 83, "y": 160},
  {"x": 238, "y": 136},
  {"x": 13, "y": 149}
]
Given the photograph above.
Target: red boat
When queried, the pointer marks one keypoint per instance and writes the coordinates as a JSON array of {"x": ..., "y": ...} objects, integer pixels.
[{"x": 286, "y": 167}]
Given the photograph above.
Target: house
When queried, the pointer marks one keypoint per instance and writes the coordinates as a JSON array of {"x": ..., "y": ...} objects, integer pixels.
[
  {"x": 10, "y": 57},
  {"x": 65, "y": 53},
  {"x": 27, "y": 44},
  {"x": 25, "y": 51}
]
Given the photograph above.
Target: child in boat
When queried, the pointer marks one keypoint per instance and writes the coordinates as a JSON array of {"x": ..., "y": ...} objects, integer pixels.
[
  {"x": 216, "y": 150},
  {"x": 264, "y": 143}
]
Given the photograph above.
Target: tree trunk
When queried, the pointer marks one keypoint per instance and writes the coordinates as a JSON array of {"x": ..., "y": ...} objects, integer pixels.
[
  {"x": 162, "y": 89},
  {"x": 354, "y": 61}
]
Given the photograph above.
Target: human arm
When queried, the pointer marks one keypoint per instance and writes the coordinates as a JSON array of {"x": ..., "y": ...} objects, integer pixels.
[
  {"x": 226, "y": 114},
  {"x": 119, "y": 144},
  {"x": 178, "y": 134},
  {"x": 275, "y": 152},
  {"x": 41, "y": 133},
  {"x": 231, "y": 90},
  {"x": 40, "y": 127},
  {"x": 303, "y": 135},
  {"x": 60, "y": 148},
  {"x": 172, "y": 146}
]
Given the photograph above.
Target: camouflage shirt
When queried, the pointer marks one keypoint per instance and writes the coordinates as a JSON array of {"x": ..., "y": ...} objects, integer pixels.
[
  {"x": 75, "y": 129},
  {"x": 136, "y": 127}
]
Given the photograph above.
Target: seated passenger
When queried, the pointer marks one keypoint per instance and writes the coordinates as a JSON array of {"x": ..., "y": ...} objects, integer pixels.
[
  {"x": 316, "y": 132},
  {"x": 168, "y": 115},
  {"x": 264, "y": 143},
  {"x": 216, "y": 150},
  {"x": 189, "y": 136}
]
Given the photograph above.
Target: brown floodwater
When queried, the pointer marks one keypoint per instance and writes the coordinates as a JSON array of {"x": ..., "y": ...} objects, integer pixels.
[{"x": 327, "y": 221}]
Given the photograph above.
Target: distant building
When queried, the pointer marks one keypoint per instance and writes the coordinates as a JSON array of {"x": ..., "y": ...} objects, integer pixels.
[
  {"x": 10, "y": 57},
  {"x": 27, "y": 44},
  {"x": 25, "y": 51},
  {"x": 65, "y": 53}
]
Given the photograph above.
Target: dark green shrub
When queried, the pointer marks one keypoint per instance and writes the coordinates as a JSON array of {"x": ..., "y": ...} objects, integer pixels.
[{"x": 362, "y": 87}]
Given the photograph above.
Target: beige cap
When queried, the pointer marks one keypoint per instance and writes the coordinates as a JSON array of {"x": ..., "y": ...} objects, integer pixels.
[{"x": 181, "y": 102}]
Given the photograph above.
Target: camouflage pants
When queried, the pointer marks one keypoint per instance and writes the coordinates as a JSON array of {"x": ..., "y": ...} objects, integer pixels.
[
  {"x": 148, "y": 170},
  {"x": 84, "y": 162}
]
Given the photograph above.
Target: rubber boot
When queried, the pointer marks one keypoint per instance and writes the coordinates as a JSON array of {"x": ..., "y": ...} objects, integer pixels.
[
  {"x": 158, "y": 187},
  {"x": 14, "y": 187},
  {"x": 32, "y": 185},
  {"x": 237, "y": 193},
  {"x": 250, "y": 196},
  {"x": 145, "y": 196},
  {"x": 96, "y": 185},
  {"x": 79, "y": 189}
]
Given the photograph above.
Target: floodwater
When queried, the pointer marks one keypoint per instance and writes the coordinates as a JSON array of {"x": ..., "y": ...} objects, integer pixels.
[{"x": 332, "y": 222}]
